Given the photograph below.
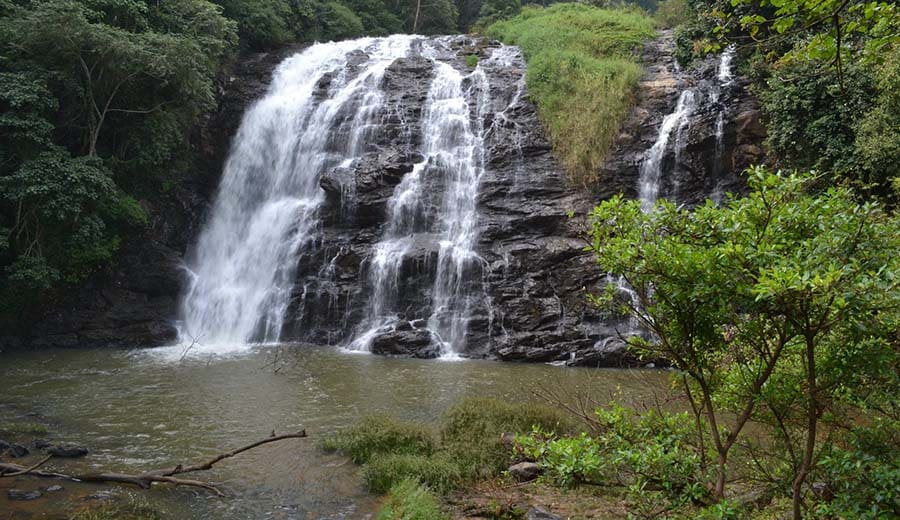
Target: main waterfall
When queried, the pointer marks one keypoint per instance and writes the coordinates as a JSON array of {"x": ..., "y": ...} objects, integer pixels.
[
  {"x": 266, "y": 209},
  {"x": 325, "y": 116}
]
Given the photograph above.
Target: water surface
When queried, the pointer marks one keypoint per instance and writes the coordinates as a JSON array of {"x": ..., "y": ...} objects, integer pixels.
[{"x": 144, "y": 409}]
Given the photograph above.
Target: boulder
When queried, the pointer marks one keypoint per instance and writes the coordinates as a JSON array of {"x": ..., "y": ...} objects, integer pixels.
[
  {"x": 524, "y": 471},
  {"x": 417, "y": 343},
  {"x": 16, "y": 451},
  {"x": 539, "y": 513},
  {"x": 67, "y": 451}
]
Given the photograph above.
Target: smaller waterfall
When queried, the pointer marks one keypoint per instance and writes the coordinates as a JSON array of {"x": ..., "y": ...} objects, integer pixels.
[
  {"x": 725, "y": 78},
  {"x": 652, "y": 164}
]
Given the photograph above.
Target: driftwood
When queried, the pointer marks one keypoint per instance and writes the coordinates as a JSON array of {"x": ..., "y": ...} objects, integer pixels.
[{"x": 145, "y": 480}]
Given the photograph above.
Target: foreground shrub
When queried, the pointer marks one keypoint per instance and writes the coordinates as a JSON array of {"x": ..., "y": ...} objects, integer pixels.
[
  {"x": 472, "y": 431},
  {"x": 410, "y": 500},
  {"x": 380, "y": 434},
  {"x": 651, "y": 454},
  {"x": 470, "y": 448}
]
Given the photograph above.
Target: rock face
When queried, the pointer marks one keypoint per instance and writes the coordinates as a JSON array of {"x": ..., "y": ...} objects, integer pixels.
[{"x": 532, "y": 271}]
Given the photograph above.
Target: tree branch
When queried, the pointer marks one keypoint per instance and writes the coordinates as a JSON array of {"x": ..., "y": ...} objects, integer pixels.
[{"x": 146, "y": 480}]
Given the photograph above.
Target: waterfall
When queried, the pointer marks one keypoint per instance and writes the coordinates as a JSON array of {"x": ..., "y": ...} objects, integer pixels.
[
  {"x": 652, "y": 164},
  {"x": 267, "y": 207},
  {"x": 453, "y": 150},
  {"x": 725, "y": 78}
]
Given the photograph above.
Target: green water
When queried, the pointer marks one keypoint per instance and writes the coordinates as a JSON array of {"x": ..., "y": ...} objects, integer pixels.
[{"x": 139, "y": 410}]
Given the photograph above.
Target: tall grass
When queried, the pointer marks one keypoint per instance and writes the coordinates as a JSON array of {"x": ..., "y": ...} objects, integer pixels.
[
  {"x": 582, "y": 72},
  {"x": 469, "y": 447},
  {"x": 410, "y": 500}
]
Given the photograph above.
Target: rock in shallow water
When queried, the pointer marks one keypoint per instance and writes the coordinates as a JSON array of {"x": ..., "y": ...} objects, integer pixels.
[
  {"x": 67, "y": 451},
  {"x": 21, "y": 494},
  {"x": 417, "y": 343},
  {"x": 539, "y": 513},
  {"x": 16, "y": 451}
]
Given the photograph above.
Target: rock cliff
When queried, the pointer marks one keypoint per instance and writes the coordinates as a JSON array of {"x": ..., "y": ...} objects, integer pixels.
[{"x": 533, "y": 269}]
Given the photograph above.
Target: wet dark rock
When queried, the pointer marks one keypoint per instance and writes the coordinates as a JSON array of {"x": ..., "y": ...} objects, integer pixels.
[
  {"x": 16, "y": 451},
  {"x": 539, "y": 513},
  {"x": 40, "y": 444},
  {"x": 406, "y": 342},
  {"x": 524, "y": 471},
  {"x": 100, "y": 496},
  {"x": 20, "y": 494},
  {"x": 67, "y": 451},
  {"x": 4, "y": 445}
]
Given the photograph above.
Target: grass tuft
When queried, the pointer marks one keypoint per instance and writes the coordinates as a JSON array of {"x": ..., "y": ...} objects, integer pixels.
[
  {"x": 380, "y": 434},
  {"x": 23, "y": 428},
  {"x": 410, "y": 500},
  {"x": 440, "y": 471},
  {"x": 132, "y": 509},
  {"x": 582, "y": 71}
]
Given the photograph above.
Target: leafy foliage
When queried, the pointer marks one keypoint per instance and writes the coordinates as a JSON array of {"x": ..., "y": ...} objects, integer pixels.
[
  {"x": 780, "y": 306},
  {"x": 823, "y": 70}
]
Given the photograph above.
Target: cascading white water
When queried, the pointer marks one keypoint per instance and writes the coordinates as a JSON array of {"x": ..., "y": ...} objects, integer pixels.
[
  {"x": 651, "y": 166},
  {"x": 453, "y": 149},
  {"x": 724, "y": 77},
  {"x": 463, "y": 159},
  {"x": 267, "y": 205}
]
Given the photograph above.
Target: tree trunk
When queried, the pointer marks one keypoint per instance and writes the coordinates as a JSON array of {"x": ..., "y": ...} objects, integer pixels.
[{"x": 812, "y": 417}]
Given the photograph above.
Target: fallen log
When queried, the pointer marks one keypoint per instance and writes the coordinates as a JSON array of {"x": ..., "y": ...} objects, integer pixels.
[{"x": 146, "y": 480}]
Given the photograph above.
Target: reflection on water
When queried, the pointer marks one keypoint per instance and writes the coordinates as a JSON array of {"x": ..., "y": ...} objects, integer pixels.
[{"x": 139, "y": 410}]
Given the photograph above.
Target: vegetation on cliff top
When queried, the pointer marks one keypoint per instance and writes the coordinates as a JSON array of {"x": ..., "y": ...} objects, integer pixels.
[{"x": 582, "y": 71}]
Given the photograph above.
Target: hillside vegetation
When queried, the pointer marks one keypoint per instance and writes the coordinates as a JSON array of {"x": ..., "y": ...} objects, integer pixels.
[{"x": 582, "y": 72}]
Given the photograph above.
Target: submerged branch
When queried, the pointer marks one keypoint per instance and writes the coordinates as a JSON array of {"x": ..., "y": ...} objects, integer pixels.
[{"x": 146, "y": 480}]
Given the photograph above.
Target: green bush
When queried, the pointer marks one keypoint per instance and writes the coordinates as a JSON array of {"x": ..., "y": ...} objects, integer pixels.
[
  {"x": 409, "y": 500},
  {"x": 380, "y": 434},
  {"x": 339, "y": 22},
  {"x": 442, "y": 472},
  {"x": 672, "y": 13},
  {"x": 472, "y": 431},
  {"x": 582, "y": 71},
  {"x": 262, "y": 24},
  {"x": 470, "y": 447},
  {"x": 647, "y": 452}
]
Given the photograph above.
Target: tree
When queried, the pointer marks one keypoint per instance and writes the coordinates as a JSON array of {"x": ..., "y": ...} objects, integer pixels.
[
  {"x": 92, "y": 94},
  {"x": 739, "y": 295}
]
